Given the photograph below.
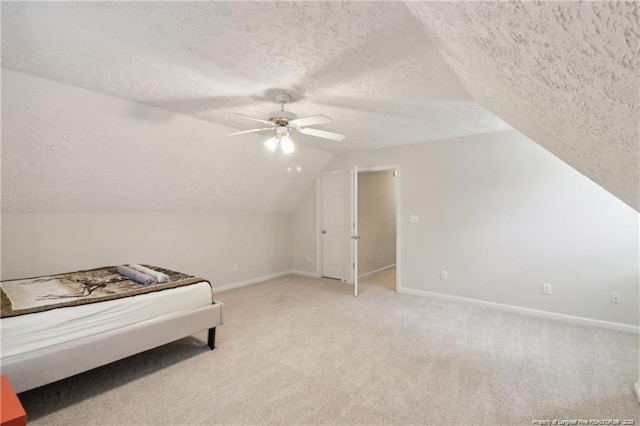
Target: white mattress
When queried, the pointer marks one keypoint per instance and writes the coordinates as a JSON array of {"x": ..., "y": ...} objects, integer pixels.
[{"x": 32, "y": 334}]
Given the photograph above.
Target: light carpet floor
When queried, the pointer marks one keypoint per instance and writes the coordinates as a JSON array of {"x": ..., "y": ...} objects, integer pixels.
[{"x": 298, "y": 350}]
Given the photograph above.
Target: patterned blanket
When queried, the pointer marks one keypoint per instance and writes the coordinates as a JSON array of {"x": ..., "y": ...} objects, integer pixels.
[{"x": 29, "y": 295}]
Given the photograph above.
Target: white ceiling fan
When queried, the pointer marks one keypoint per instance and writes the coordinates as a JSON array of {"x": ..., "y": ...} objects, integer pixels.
[{"x": 284, "y": 121}]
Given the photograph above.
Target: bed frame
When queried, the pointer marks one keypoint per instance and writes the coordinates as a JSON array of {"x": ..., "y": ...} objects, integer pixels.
[{"x": 77, "y": 357}]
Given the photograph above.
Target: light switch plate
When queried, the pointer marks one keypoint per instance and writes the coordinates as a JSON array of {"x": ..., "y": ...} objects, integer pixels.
[{"x": 414, "y": 218}]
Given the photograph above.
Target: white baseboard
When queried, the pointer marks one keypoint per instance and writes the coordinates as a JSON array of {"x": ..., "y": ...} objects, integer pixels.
[
  {"x": 377, "y": 270},
  {"x": 526, "y": 311},
  {"x": 305, "y": 273},
  {"x": 636, "y": 388},
  {"x": 251, "y": 281}
]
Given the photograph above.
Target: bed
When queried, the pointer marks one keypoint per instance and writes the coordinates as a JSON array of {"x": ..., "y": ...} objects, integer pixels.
[{"x": 65, "y": 335}]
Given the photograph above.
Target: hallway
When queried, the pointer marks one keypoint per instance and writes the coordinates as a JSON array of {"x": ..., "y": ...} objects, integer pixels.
[{"x": 385, "y": 278}]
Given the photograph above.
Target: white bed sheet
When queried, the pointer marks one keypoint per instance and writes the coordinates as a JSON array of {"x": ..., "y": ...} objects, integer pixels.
[{"x": 31, "y": 334}]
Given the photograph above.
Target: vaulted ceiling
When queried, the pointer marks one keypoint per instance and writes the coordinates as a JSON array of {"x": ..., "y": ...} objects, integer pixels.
[{"x": 564, "y": 74}]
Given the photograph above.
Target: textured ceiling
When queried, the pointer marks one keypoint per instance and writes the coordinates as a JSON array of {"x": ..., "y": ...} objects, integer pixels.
[
  {"x": 79, "y": 151},
  {"x": 369, "y": 66},
  {"x": 564, "y": 74}
]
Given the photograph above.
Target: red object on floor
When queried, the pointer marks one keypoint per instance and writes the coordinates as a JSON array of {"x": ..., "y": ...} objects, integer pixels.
[{"x": 11, "y": 410}]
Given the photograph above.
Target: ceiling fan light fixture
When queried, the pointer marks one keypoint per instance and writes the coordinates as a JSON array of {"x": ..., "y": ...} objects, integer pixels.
[
  {"x": 271, "y": 144},
  {"x": 286, "y": 144}
]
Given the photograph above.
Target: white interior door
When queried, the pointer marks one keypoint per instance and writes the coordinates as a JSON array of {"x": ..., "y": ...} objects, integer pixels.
[
  {"x": 354, "y": 229},
  {"x": 332, "y": 225}
]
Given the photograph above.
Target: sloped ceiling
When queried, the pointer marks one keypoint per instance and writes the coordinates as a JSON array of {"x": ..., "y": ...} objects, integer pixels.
[
  {"x": 369, "y": 66},
  {"x": 70, "y": 150},
  {"x": 565, "y": 74},
  {"x": 386, "y": 72}
]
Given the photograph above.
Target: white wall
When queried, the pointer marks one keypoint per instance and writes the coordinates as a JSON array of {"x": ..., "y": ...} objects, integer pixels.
[
  {"x": 502, "y": 216},
  {"x": 376, "y": 220},
  {"x": 305, "y": 226},
  {"x": 203, "y": 244},
  {"x": 90, "y": 180}
]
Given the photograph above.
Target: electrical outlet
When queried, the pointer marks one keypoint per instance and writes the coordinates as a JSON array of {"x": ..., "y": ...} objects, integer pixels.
[
  {"x": 546, "y": 288},
  {"x": 615, "y": 297},
  {"x": 444, "y": 275},
  {"x": 236, "y": 266},
  {"x": 308, "y": 258}
]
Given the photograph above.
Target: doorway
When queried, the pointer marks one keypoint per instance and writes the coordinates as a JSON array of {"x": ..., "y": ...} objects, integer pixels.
[{"x": 376, "y": 217}]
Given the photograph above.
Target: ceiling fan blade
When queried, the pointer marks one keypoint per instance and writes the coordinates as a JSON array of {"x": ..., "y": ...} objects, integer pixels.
[
  {"x": 311, "y": 120},
  {"x": 249, "y": 131},
  {"x": 256, "y": 119},
  {"x": 321, "y": 134}
]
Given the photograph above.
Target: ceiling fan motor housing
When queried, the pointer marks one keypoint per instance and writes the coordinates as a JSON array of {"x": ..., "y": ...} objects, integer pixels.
[{"x": 285, "y": 116}]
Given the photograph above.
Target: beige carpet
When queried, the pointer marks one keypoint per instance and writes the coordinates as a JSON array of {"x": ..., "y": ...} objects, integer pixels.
[{"x": 298, "y": 350}]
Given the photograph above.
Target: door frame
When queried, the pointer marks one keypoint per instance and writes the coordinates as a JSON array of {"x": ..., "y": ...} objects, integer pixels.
[
  {"x": 354, "y": 229},
  {"x": 398, "y": 217},
  {"x": 319, "y": 216}
]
